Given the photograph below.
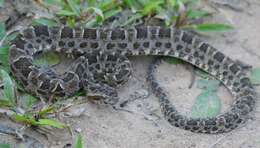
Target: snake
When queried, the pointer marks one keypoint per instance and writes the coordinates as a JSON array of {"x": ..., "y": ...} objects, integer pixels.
[{"x": 101, "y": 65}]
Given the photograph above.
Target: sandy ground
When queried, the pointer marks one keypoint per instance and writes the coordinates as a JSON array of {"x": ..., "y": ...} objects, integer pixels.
[{"x": 143, "y": 126}]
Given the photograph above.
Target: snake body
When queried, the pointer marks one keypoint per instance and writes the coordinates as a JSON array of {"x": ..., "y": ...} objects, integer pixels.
[{"x": 102, "y": 64}]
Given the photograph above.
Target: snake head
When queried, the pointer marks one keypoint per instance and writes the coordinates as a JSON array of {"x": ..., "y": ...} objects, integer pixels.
[{"x": 102, "y": 93}]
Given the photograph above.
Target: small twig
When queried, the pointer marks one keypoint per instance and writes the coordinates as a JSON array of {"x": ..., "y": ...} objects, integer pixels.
[
  {"x": 252, "y": 53},
  {"x": 219, "y": 140},
  {"x": 136, "y": 113},
  {"x": 193, "y": 76}
]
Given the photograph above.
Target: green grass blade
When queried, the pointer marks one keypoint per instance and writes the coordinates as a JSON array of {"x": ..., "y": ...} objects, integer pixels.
[
  {"x": 45, "y": 21},
  {"x": 195, "y": 14},
  {"x": 74, "y": 7},
  {"x": 255, "y": 76},
  {"x": 206, "y": 105},
  {"x": 51, "y": 122},
  {"x": 2, "y": 3},
  {"x": 209, "y": 27},
  {"x": 65, "y": 13},
  {"x": 4, "y": 58},
  {"x": 2, "y": 30},
  {"x": 5, "y": 145},
  {"x": 79, "y": 142},
  {"x": 9, "y": 87}
]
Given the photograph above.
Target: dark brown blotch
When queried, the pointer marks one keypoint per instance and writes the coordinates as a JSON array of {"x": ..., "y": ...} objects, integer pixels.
[
  {"x": 204, "y": 47},
  {"x": 164, "y": 32},
  {"x": 94, "y": 45},
  {"x": 234, "y": 68},
  {"x": 187, "y": 38},
  {"x": 28, "y": 33},
  {"x": 168, "y": 45},
  {"x": 66, "y": 32},
  {"x": 142, "y": 32},
  {"x": 83, "y": 44},
  {"x": 219, "y": 56},
  {"x": 122, "y": 45},
  {"x": 179, "y": 47},
  {"x": 90, "y": 33},
  {"x": 136, "y": 45},
  {"x": 118, "y": 34},
  {"x": 19, "y": 42},
  {"x": 110, "y": 45},
  {"x": 71, "y": 44},
  {"x": 41, "y": 30}
]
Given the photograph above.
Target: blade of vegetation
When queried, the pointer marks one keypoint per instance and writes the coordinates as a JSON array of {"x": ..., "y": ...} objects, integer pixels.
[
  {"x": 27, "y": 119},
  {"x": 5, "y": 103},
  {"x": 255, "y": 76},
  {"x": 66, "y": 13},
  {"x": 51, "y": 122},
  {"x": 53, "y": 2},
  {"x": 27, "y": 100},
  {"x": 133, "y": 5},
  {"x": 151, "y": 7},
  {"x": 74, "y": 6},
  {"x": 79, "y": 143},
  {"x": 211, "y": 85},
  {"x": 2, "y": 30},
  {"x": 173, "y": 60},
  {"x": 9, "y": 87},
  {"x": 209, "y": 27},
  {"x": 5, "y": 145},
  {"x": 207, "y": 104},
  {"x": 97, "y": 11},
  {"x": 45, "y": 21},
  {"x": 132, "y": 19},
  {"x": 47, "y": 59},
  {"x": 4, "y": 57},
  {"x": 195, "y": 14},
  {"x": 2, "y": 3}
]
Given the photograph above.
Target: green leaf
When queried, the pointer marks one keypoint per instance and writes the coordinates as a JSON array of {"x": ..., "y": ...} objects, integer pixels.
[
  {"x": 45, "y": 21},
  {"x": 5, "y": 103},
  {"x": 174, "y": 61},
  {"x": 4, "y": 58},
  {"x": 195, "y": 14},
  {"x": 2, "y": 3},
  {"x": 203, "y": 74},
  {"x": 46, "y": 59},
  {"x": 134, "y": 5},
  {"x": 132, "y": 19},
  {"x": 9, "y": 87},
  {"x": 255, "y": 76},
  {"x": 2, "y": 30},
  {"x": 53, "y": 2},
  {"x": 152, "y": 6},
  {"x": 112, "y": 12},
  {"x": 79, "y": 143},
  {"x": 74, "y": 7},
  {"x": 211, "y": 85},
  {"x": 43, "y": 112},
  {"x": 209, "y": 27},
  {"x": 5, "y": 145},
  {"x": 27, "y": 100},
  {"x": 66, "y": 13},
  {"x": 26, "y": 119},
  {"x": 11, "y": 36},
  {"x": 206, "y": 105},
  {"x": 51, "y": 122},
  {"x": 96, "y": 11},
  {"x": 71, "y": 22}
]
